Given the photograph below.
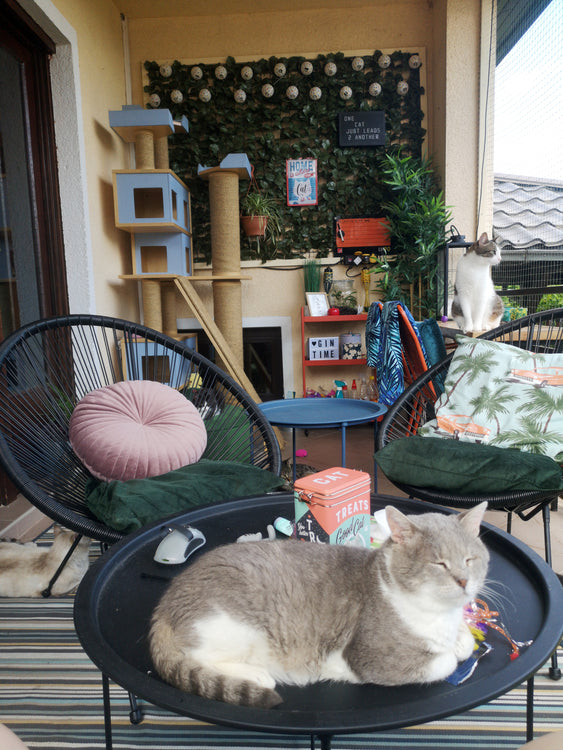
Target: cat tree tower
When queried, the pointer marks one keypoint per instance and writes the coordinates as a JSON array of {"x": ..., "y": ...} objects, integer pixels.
[{"x": 153, "y": 204}]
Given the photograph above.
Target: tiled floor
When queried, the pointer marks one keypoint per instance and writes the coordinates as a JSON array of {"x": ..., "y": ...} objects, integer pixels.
[{"x": 323, "y": 452}]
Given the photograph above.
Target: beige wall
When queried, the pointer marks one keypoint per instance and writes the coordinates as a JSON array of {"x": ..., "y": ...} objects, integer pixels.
[
  {"x": 89, "y": 58},
  {"x": 449, "y": 30}
]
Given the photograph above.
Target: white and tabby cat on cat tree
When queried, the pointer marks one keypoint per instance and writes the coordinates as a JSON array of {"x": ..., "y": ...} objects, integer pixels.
[{"x": 476, "y": 306}]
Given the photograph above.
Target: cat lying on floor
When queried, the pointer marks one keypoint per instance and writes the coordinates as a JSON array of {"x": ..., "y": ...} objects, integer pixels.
[
  {"x": 26, "y": 569},
  {"x": 244, "y": 617}
]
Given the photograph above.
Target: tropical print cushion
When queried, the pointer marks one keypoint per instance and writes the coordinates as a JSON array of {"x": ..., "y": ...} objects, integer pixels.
[{"x": 499, "y": 394}]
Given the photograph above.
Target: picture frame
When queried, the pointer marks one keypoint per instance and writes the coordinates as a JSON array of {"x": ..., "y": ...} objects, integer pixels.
[{"x": 317, "y": 303}]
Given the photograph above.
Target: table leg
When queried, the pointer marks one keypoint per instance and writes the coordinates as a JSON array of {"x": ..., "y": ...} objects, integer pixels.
[
  {"x": 107, "y": 712},
  {"x": 294, "y": 456},
  {"x": 343, "y": 445},
  {"x": 374, "y": 452},
  {"x": 530, "y": 709}
]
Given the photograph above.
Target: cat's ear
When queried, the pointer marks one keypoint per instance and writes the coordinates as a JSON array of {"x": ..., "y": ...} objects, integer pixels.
[
  {"x": 471, "y": 519},
  {"x": 402, "y": 528},
  {"x": 483, "y": 239}
]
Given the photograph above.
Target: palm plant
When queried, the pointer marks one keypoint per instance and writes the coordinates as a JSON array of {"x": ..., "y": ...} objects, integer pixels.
[{"x": 417, "y": 217}]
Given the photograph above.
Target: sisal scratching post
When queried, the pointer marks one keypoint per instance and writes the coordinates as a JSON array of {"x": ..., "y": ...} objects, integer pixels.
[
  {"x": 161, "y": 153},
  {"x": 168, "y": 296},
  {"x": 144, "y": 149},
  {"x": 225, "y": 257},
  {"x": 152, "y": 304}
]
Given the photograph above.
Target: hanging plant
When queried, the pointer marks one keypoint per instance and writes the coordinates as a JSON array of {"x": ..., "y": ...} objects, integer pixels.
[{"x": 261, "y": 218}]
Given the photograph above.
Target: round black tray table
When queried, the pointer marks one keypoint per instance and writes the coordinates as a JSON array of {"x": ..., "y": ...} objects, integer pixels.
[{"x": 115, "y": 600}]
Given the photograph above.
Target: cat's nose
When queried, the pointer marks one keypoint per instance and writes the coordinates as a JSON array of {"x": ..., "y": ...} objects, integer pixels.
[{"x": 462, "y": 582}]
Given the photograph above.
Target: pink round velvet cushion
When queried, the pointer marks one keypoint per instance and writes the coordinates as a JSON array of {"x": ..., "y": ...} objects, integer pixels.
[{"x": 136, "y": 429}]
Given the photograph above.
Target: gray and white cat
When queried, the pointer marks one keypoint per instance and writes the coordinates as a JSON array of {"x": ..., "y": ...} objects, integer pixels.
[
  {"x": 476, "y": 306},
  {"x": 26, "y": 569},
  {"x": 244, "y": 617}
]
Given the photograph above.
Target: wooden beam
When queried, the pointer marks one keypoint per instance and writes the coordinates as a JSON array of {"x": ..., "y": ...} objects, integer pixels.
[{"x": 183, "y": 283}]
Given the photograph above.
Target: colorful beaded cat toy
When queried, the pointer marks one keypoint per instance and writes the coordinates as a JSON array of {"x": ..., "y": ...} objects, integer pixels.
[{"x": 478, "y": 617}]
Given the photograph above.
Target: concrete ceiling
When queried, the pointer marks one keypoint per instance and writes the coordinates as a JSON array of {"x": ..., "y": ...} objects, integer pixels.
[{"x": 178, "y": 8}]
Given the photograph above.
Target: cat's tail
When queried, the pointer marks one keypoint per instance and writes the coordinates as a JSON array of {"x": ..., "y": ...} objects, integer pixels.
[{"x": 179, "y": 668}]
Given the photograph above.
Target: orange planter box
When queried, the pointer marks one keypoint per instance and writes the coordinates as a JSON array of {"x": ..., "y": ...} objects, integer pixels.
[{"x": 333, "y": 507}]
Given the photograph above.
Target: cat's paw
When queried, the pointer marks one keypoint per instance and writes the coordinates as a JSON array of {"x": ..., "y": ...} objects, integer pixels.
[{"x": 465, "y": 643}]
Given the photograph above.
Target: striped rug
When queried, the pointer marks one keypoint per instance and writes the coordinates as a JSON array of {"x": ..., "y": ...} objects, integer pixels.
[{"x": 51, "y": 697}]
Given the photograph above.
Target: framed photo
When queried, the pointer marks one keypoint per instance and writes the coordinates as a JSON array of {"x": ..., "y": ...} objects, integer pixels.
[
  {"x": 317, "y": 303},
  {"x": 301, "y": 181}
]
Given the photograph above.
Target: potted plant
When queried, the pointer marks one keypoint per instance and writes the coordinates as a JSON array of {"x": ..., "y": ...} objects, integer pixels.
[{"x": 261, "y": 216}]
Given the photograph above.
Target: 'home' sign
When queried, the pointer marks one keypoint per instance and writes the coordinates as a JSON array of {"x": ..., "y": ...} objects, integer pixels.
[{"x": 323, "y": 348}]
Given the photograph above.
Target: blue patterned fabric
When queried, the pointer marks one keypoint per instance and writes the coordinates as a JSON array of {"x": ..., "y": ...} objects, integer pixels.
[{"x": 385, "y": 350}]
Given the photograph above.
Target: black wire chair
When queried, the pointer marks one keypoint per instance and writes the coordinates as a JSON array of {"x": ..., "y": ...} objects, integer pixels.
[
  {"x": 540, "y": 332},
  {"x": 46, "y": 367}
]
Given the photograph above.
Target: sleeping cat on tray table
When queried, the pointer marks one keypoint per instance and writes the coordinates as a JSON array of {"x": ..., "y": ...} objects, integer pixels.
[{"x": 244, "y": 617}]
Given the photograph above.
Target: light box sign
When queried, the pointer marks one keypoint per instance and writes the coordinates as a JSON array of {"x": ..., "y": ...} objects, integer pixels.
[
  {"x": 361, "y": 129},
  {"x": 301, "y": 178}
]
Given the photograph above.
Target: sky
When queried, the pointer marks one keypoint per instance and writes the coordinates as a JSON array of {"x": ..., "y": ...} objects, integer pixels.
[{"x": 528, "y": 138}]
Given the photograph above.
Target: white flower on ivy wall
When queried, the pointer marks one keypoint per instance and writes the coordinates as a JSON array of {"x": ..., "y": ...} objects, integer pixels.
[
  {"x": 247, "y": 73},
  {"x": 280, "y": 70},
  {"x": 220, "y": 72},
  {"x": 204, "y": 95},
  {"x": 267, "y": 90},
  {"x": 358, "y": 63},
  {"x": 196, "y": 73},
  {"x": 166, "y": 71},
  {"x": 384, "y": 61},
  {"x": 345, "y": 93},
  {"x": 306, "y": 68},
  {"x": 292, "y": 92},
  {"x": 330, "y": 69},
  {"x": 154, "y": 100},
  {"x": 315, "y": 93},
  {"x": 374, "y": 89}
]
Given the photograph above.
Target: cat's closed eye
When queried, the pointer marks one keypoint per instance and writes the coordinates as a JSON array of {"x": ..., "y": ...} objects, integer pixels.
[{"x": 442, "y": 564}]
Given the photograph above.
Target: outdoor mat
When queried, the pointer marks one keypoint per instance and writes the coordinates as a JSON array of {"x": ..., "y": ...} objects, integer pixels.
[{"x": 51, "y": 697}]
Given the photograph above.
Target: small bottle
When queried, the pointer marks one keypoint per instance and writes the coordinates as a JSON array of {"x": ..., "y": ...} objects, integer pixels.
[
  {"x": 363, "y": 390},
  {"x": 373, "y": 394},
  {"x": 345, "y": 391},
  {"x": 354, "y": 390}
]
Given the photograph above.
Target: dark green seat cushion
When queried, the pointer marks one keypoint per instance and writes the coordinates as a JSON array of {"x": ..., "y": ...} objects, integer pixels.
[
  {"x": 466, "y": 468},
  {"x": 127, "y": 506}
]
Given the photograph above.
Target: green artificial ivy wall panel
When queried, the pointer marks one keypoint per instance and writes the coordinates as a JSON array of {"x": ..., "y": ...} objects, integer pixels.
[{"x": 247, "y": 107}]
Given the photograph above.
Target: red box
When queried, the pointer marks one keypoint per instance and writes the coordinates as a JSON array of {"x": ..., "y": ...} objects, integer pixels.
[{"x": 333, "y": 507}]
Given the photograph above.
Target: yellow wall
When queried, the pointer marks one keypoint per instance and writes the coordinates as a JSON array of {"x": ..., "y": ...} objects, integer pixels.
[
  {"x": 102, "y": 84},
  {"x": 449, "y": 30}
]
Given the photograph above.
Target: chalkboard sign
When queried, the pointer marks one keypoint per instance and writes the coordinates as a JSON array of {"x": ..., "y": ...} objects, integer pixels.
[{"x": 361, "y": 129}]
